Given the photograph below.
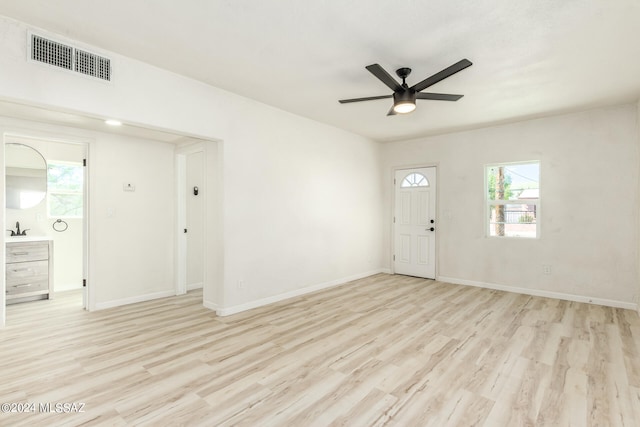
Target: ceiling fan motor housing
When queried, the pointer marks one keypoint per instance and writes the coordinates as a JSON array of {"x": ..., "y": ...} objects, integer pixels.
[{"x": 404, "y": 97}]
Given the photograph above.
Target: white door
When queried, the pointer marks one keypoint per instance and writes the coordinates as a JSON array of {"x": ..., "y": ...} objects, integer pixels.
[
  {"x": 414, "y": 222},
  {"x": 85, "y": 230},
  {"x": 195, "y": 220}
]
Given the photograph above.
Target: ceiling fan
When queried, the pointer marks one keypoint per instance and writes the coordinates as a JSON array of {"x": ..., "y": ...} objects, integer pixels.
[{"x": 404, "y": 97}]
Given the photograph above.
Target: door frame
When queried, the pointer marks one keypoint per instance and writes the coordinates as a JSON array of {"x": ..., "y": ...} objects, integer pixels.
[
  {"x": 392, "y": 236},
  {"x": 181, "y": 154}
]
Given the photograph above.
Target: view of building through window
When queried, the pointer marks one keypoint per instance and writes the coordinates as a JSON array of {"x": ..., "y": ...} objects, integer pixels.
[
  {"x": 513, "y": 199},
  {"x": 64, "y": 190}
]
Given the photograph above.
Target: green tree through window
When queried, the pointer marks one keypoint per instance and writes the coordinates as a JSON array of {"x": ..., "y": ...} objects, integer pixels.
[
  {"x": 492, "y": 184},
  {"x": 513, "y": 199},
  {"x": 64, "y": 190}
]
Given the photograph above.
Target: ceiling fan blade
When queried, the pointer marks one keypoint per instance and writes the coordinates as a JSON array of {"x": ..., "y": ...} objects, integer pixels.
[
  {"x": 447, "y": 72},
  {"x": 391, "y": 112},
  {"x": 384, "y": 77},
  {"x": 369, "y": 98},
  {"x": 438, "y": 96}
]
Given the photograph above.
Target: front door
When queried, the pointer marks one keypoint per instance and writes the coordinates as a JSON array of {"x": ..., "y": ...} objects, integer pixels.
[{"x": 414, "y": 222}]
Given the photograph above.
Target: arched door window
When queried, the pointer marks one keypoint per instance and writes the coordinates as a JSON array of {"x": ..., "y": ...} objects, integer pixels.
[{"x": 415, "y": 180}]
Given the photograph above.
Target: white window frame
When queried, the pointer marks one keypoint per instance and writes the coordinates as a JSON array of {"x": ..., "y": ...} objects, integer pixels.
[
  {"x": 488, "y": 202},
  {"x": 80, "y": 192}
]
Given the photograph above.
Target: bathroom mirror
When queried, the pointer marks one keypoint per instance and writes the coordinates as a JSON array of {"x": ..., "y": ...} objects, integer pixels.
[{"x": 25, "y": 176}]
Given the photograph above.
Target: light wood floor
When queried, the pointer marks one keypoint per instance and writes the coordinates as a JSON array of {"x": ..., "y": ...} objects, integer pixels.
[{"x": 385, "y": 350}]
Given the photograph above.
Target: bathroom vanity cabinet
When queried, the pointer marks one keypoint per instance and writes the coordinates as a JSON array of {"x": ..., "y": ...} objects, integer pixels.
[{"x": 29, "y": 269}]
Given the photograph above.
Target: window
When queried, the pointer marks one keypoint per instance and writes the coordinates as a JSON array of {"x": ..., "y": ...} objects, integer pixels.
[
  {"x": 64, "y": 189},
  {"x": 415, "y": 180},
  {"x": 513, "y": 199}
]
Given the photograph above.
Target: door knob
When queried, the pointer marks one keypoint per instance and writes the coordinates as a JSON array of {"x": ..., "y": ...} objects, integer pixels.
[{"x": 430, "y": 229}]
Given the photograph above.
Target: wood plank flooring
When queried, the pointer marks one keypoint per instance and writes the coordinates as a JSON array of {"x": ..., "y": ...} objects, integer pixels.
[{"x": 381, "y": 351}]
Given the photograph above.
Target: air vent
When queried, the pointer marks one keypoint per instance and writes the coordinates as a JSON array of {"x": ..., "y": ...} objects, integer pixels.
[
  {"x": 93, "y": 65},
  {"x": 60, "y": 55},
  {"x": 50, "y": 52}
]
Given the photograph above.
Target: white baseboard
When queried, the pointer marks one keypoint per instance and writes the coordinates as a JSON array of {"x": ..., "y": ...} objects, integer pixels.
[
  {"x": 210, "y": 305},
  {"x": 192, "y": 286},
  {"x": 226, "y": 311},
  {"x": 132, "y": 300},
  {"x": 541, "y": 293}
]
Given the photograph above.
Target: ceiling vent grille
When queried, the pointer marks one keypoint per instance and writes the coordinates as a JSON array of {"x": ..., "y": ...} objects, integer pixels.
[
  {"x": 51, "y": 52},
  {"x": 69, "y": 58},
  {"x": 93, "y": 65}
]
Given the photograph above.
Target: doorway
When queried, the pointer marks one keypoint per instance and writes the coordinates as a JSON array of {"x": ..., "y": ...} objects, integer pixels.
[
  {"x": 414, "y": 221},
  {"x": 192, "y": 191},
  {"x": 59, "y": 219}
]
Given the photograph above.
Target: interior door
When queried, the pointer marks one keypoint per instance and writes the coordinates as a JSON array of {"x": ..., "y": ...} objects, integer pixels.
[
  {"x": 85, "y": 230},
  {"x": 414, "y": 222},
  {"x": 195, "y": 220}
]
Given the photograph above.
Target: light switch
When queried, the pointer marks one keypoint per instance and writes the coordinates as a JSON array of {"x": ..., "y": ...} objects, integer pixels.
[{"x": 127, "y": 186}]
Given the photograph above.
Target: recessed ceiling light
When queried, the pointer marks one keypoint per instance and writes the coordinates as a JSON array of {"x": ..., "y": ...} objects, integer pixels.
[{"x": 112, "y": 122}]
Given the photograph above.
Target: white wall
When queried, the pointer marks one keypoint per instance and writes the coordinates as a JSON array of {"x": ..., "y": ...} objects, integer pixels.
[
  {"x": 67, "y": 245},
  {"x": 214, "y": 278},
  {"x": 132, "y": 233},
  {"x": 304, "y": 206},
  {"x": 300, "y": 200},
  {"x": 589, "y": 203},
  {"x": 637, "y": 295}
]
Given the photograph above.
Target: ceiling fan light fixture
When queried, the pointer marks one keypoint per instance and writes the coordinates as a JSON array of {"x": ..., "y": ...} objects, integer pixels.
[
  {"x": 404, "y": 102},
  {"x": 404, "y": 96},
  {"x": 404, "y": 107}
]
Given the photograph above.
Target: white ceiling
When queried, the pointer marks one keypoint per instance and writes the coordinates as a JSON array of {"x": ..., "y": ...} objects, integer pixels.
[{"x": 531, "y": 57}]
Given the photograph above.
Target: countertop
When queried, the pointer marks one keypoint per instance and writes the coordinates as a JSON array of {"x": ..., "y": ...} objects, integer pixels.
[{"x": 14, "y": 239}]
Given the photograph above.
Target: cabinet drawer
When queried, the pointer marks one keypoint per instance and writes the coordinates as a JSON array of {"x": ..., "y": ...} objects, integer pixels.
[
  {"x": 27, "y": 272},
  {"x": 21, "y": 252},
  {"x": 27, "y": 287}
]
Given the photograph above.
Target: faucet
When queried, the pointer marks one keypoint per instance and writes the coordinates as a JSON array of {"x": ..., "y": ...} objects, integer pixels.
[{"x": 17, "y": 231}]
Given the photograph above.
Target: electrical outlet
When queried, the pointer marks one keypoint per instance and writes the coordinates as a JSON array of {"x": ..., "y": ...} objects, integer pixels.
[
  {"x": 241, "y": 284},
  {"x": 636, "y": 298},
  {"x": 546, "y": 269}
]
